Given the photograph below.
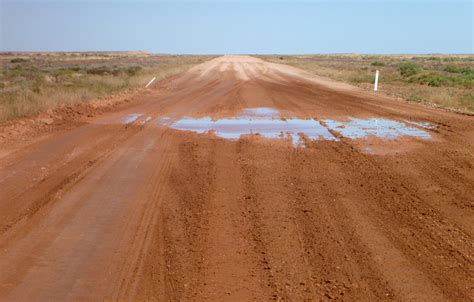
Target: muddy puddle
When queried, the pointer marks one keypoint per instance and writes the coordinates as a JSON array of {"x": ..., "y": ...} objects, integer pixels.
[
  {"x": 131, "y": 118},
  {"x": 262, "y": 121},
  {"x": 377, "y": 127},
  {"x": 269, "y": 123}
]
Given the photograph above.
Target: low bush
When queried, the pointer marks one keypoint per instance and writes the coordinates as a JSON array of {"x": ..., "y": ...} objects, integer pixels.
[
  {"x": 18, "y": 60},
  {"x": 75, "y": 68},
  {"x": 131, "y": 71},
  {"x": 377, "y": 63},
  {"x": 409, "y": 69},
  {"x": 464, "y": 79},
  {"x": 116, "y": 71},
  {"x": 453, "y": 69},
  {"x": 102, "y": 70},
  {"x": 430, "y": 79}
]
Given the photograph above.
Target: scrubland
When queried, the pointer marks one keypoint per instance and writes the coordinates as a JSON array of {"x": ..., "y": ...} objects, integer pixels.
[
  {"x": 34, "y": 82},
  {"x": 445, "y": 81}
]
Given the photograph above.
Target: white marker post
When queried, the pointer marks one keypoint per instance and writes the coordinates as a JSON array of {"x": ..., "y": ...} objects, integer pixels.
[
  {"x": 376, "y": 84},
  {"x": 149, "y": 83}
]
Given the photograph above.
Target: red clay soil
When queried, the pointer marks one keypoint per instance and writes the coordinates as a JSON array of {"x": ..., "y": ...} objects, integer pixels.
[{"x": 103, "y": 210}]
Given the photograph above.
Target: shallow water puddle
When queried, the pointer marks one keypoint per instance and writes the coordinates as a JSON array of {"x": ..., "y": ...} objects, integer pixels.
[
  {"x": 268, "y": 123},
  {"x": 377, "y": 127},
  {"x": 131, "y": 118},
  {"x": 262, "y": 121},
  {"x": 233, "y": 128}
]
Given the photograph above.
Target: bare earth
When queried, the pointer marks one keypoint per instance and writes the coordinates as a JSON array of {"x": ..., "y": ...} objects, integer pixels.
[{"x": 140, "y": 211}]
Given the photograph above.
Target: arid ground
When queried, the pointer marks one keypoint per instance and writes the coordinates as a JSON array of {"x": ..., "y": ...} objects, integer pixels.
[
  {"x": 34, "y": 82},
  {"x": 361, "y": 198},
  {"x": 442, "y": 80}
]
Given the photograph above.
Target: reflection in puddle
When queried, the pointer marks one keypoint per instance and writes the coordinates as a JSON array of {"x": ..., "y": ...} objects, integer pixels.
[
  {"x": 381, "y": 128},
  {"x": 233, "y": 128},
  {"x": 131, "y": 118},
  {"x": 257, "y": 120}
]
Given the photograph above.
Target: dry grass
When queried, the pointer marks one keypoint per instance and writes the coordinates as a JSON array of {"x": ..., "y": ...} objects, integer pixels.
[
  {"x": 34, "y": 82},
  {"x": 443, "y": 80}
]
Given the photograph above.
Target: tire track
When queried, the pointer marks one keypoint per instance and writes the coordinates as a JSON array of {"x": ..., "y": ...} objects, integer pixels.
[
  {"x": 398, "y": 216},
  {"x": 143, "y": 269},
  {"x": 191, "y": 186}
]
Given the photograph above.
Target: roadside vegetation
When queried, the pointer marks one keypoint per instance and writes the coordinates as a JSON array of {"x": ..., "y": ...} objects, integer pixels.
[
  {"x": 441, "y": 80},
  {"x": 35, "y": 82}
]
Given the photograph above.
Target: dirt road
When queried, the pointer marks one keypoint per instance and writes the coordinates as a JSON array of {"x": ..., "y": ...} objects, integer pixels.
[{"x": 131, "y": 206}]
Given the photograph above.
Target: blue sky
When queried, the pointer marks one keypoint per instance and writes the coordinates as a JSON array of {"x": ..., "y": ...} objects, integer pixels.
[{"x": 218, "y": 27}]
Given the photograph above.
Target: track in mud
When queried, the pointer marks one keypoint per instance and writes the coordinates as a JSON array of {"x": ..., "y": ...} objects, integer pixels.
[{"x": 133, "y": 206}]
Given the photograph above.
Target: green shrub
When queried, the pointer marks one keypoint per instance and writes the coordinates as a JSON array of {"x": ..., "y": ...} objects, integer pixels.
[
  {"x": 75, "y": 68},
  {"x": 437, "y": 80},
  {"x": 114, "y": 70},
  {"x": 103, "y": 70},
  {"x": 409, "y": 69},
  {"x": 468, "y": 72},
  {"x": 430, "y": 79},
  {"x": 458, "y": 69},
  {"x": 467, "y": 82},
  {"x": 18, "y": 60},
  {"x": 18, "y": 71},
  {"x": 377, "y": 63},
  {"x": 453, "y": 69}
]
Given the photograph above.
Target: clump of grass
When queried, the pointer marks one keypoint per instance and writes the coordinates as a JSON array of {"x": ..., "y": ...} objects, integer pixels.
[
  {"x": 415, "y": 98},
  {"x": 468, "y": 101}
]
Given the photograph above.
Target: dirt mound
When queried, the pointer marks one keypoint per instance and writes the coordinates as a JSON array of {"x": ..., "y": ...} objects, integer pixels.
[{"x": 25, "y": 129}]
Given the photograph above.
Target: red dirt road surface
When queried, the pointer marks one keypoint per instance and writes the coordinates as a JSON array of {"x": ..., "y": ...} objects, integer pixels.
[{"x": 129, "y": 206}]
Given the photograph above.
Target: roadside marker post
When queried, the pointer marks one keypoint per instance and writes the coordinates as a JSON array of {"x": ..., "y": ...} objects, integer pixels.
[
  {"x": 376, "y": 84},
  {"x": 149, "y": 83}
]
